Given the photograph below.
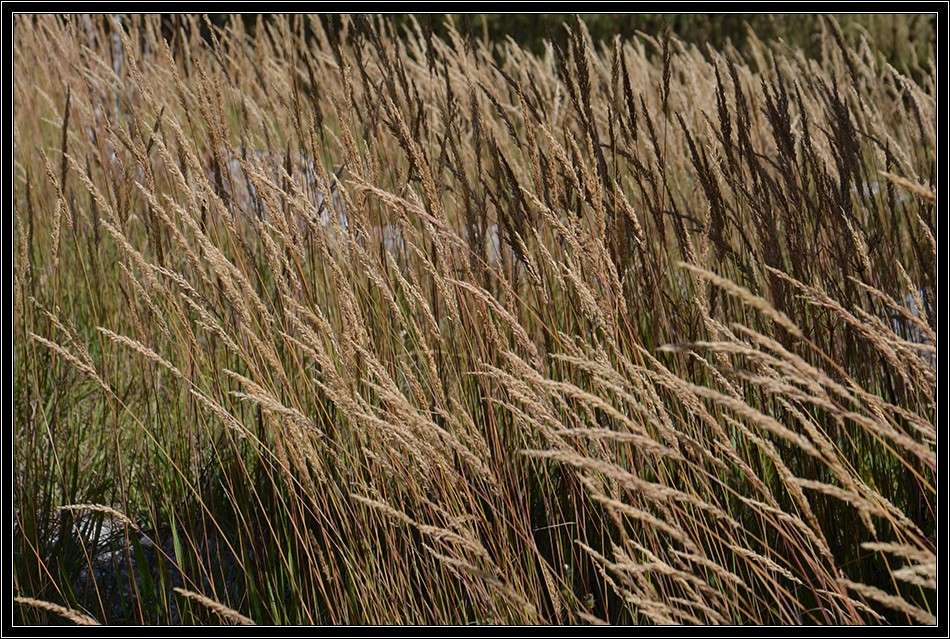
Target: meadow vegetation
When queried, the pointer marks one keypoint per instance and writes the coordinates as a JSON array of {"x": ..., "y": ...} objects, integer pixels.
[{"x": 655, "y": 341}]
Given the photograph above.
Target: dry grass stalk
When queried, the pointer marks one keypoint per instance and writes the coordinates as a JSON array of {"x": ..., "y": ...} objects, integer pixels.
[
  {"x": 461, "y": 331},
  {"x": 66, "y": 613},
  {"x": 216, "y": 607}
]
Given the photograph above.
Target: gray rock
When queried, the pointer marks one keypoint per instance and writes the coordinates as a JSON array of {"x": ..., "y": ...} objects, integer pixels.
[
  {"x": 238, "y": 189},
  {"x": 909, "y": 330},
  {"x": 127, "y": 569}
]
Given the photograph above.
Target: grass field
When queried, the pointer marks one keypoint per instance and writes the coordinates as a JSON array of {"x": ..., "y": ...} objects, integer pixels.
[{"x": 356, "y": 328}]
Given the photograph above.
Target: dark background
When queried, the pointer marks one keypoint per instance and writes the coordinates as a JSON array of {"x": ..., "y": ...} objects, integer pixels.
[{"x": 903, "y": 40}]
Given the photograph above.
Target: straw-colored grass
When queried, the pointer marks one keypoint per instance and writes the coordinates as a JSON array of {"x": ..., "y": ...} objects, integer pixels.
[{"x": 425, "y": 330}]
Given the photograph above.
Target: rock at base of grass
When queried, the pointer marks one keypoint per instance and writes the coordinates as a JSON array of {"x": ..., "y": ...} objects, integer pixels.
[{"x": 128, "y": 576}]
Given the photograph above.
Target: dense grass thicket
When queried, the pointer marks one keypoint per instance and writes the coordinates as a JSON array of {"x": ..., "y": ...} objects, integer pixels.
[{"x": 408, "y": 329}]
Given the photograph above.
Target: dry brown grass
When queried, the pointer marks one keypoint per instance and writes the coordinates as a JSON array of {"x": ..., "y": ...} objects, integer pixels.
[
  {"x": 631, "y": 334},
  {"x": 66, "y": 613},
  {"x": 216, "y": 607}
]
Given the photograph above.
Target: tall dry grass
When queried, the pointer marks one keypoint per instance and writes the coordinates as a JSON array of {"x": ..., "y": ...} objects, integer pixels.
[{"x": 656, "y": 343}]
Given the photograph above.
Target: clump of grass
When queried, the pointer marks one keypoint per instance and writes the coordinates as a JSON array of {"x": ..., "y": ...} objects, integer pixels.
[{"x": 629, "y": 333}]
